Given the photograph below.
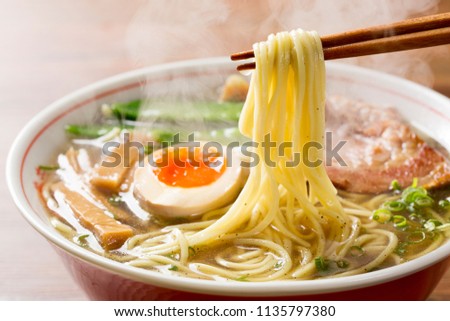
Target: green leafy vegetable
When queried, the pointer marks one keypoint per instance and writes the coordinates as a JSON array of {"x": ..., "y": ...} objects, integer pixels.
[
  {"x": 177, "y": 110},
  {"x": 89, "y": 131},
  {"x": 173, "y": 268},
  {"x": 159, "y": 136},
  {"x": 128, "y": 110}
]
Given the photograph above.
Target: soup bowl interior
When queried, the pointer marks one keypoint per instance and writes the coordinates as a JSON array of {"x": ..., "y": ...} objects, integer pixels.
[{"x": 43, "y": 138}]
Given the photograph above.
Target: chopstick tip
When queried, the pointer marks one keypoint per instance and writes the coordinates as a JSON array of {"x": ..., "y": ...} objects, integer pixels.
[{"x": 247, "y": 66}]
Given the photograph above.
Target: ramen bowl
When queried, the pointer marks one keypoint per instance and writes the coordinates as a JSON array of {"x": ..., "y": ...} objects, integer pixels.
[{"x": 105, "y": 279}]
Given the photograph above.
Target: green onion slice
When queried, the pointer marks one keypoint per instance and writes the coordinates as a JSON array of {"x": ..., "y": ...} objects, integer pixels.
[
  {"x": 381, "y": 215},
  {"x": 394, "y": 206},
  {"x": 399, "y": 221},
  {"x": 416, "y": 237},
  {"x": 81, "y": 240},
  {"x": 395, "y": 185},
  {"x": 191, "y": 250},
  {"x": 445, "y": 204},
  {"x": 423, "y": 201},
  {"x": 410, "y": 194},
  {"x": 321, "y": 264},
  {"x": 401, "y": 248},
  {"x": 431, "y": 224},
  {"x": 416, "y": 218}
]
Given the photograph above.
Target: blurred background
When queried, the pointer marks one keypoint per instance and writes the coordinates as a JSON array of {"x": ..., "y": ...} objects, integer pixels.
[{"x": 52, "y": 47}]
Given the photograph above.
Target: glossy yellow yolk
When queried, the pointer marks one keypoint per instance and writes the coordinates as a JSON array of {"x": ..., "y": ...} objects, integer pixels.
[{"x": 187, "y": 167}]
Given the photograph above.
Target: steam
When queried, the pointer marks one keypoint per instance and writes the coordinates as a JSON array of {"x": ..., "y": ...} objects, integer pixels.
[{"x": 170, "y": 30}]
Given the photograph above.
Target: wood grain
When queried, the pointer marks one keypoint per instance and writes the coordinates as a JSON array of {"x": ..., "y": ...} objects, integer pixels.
[
  {"x": 48, "y": 49},
  {"x": 415, "y": 33}
]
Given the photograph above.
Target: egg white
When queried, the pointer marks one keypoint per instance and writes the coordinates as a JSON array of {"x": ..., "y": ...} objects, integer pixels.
[{"x": 172, "y": 201}]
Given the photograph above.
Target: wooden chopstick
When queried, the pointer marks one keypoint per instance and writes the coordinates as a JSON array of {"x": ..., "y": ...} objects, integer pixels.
[
  {"x": 409, "y": 41},
  {"x": 409, "y": 34},
  {"x": 419, "y": 24}
]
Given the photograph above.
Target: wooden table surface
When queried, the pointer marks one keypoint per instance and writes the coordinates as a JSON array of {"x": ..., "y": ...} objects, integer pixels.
[{"x": 49, "y": 48}]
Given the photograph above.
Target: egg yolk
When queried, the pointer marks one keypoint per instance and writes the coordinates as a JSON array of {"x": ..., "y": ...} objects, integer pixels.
[{"x": 188, "y": 167}]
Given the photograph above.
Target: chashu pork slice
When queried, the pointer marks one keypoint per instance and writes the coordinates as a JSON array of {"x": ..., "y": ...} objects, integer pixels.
[{"x": 380, "y": 147}]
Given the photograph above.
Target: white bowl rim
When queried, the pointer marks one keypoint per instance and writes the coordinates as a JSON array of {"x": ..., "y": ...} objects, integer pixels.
[{"x": 230, "y": 288}]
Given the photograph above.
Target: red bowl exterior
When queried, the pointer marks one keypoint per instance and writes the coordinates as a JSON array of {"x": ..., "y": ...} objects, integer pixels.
[{"x": 104, "y": 285}]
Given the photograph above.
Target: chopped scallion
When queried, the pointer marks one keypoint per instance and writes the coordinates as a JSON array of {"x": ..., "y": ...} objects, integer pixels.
[
  {"x": 394, "y": 206},
  {"x": 399, "y": 221},
  {"x": 445, "y": 204},
  {"x": 416, "y": 218},
  {"x": 431, "y": 224},
  {"x": 173, "y": 268},
  {"x": 191, "y": 251},
  {"x": 381, "y": 215},
  {"x": 423, "y": 201},
  {"x": 395, "y": 185},
  {"x": 81, "y": 240},
  {"x": 401, "y": 248},
  {"x": 410, "y": 194},
  {"x": 321, "y": 264}
]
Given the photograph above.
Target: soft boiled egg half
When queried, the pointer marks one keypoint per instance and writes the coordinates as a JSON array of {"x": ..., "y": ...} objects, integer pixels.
[{"x": 181, "y": 181}]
